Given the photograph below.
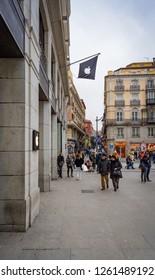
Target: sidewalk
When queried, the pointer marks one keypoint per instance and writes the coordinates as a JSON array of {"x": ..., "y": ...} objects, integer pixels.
[{"x": 79, "y": 221}]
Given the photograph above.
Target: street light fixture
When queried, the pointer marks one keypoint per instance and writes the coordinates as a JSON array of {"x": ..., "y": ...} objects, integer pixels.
[{"x": 97, "y": 120}]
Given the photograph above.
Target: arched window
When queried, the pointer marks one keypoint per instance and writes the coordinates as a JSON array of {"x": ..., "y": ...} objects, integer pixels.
[
  {"x": 134, "y": 116},
  {"x": 119, "y": 115}
]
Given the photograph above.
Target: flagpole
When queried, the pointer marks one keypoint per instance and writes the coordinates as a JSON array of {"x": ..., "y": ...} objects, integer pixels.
[{"x": 83, "y": 59}]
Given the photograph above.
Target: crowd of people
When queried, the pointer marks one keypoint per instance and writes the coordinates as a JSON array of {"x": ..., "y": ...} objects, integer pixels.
[{"x": 108, "y": 166}]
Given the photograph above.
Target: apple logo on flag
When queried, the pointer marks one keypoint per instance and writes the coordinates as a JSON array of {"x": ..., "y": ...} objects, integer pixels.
[{"x": 87, "y": 70}]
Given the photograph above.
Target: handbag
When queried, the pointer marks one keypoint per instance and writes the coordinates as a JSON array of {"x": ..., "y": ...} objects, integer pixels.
[{"x": 117, "y": 173}]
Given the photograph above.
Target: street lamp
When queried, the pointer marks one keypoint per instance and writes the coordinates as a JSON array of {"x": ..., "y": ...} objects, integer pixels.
[{"x": 97, "y": 120}]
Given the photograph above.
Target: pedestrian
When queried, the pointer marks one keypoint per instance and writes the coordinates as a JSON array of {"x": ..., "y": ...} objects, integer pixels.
[
  {"x": 60, "y": 162},
  {"x": 104, "y": 169},
  {"x": 93, "y": 160},
  {"x": 130, "y": 161},
  {"x": 69, "y": 163},
  {"x": 145, "y": 166},
  {"x": 115, "y": 171},
  {"x": 98, "y": 157},
  {"x": 78, "y": 162},
  {"x": 148, "y": 167}
]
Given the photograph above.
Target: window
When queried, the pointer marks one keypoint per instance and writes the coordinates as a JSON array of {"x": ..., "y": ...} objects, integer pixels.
[
  {"x": 150, "y": 94},
  {"x": 134, "y": 96},
  {"x": 134, "y": 86},
  {"x": 150, "y": 131},
  {"x": 134, "y": 82},
  {"x": 150, "y": 84},
  {"x": 41, "y": 31},
  {"x": 135, "y": 132},
  {"x": 53, "y": 67},
  {"x": 119, "y": 83},
  {"x": 120, "y": 132},
  {"x": 151, "y": 115},
  {"x": 119, "y": 116},
  {"x": 119, "y": 96},
  {"x": 134, "y": 116}
]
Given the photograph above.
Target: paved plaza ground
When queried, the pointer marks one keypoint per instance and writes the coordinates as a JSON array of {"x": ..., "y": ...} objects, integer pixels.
[{"x": 79, "y": 221}]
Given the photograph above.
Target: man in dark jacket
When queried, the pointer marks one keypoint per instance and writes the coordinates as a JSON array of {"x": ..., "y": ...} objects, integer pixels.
[{"x": 104, "y": 168}]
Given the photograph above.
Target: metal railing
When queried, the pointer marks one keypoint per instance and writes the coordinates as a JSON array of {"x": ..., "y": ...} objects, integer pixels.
[
  {"x": 135, "y": 87},
  {"x": 43, "y": 60},
  {"x": 134, "y": 102},
  {"x": 150, "y": 101},
  {"x": 119, "y": 102},
  {"x": 152, "y": 86},
  {"x": 129, "y": 122},
  {"x": 119, "y": 88}
]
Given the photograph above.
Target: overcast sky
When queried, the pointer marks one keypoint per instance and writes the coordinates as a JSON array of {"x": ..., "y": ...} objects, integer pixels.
[{"x": 123, "y": 31}]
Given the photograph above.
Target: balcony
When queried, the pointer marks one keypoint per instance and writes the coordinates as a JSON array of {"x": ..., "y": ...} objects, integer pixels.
[
  {"x": 134, "y": 87},
  {"x": 135, "y": 102},
  {"x": 119, "y": 103},
  {"x": 120, "y": 136},
  {"x": 150, "y": 101},
  {"x": 12, "y": 29},
  {"x": 135, "y": 121},
  {"x": 150, "y": 120},
  {"x": 136, "y": 136},
  {"x": 129, "y": 122},
  {"x": 75, "y": 125},
  {"x": 151, "y": 86},
  {"x": 119, "y": 88}
]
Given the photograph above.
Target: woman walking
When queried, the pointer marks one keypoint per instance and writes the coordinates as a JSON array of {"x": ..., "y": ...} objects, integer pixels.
[
  {"x": 78, "y": 162},
  {"x": 115, "y": 172},
  {"x": 69, "y": 165},
  {"x": 145, "y": 166}
]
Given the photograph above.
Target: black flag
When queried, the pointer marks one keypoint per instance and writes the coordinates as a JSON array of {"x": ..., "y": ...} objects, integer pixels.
[{"x": 88, "y": 68}]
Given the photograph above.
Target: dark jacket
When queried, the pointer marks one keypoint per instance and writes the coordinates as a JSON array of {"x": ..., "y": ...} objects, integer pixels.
[
  {"x": 79, "y": 162},
  {"x": 104, "y": 166},
  {"x": 60, "y": 160},
  {"x": 145, "y": 162},
  {"x": 114, "y": 165}
]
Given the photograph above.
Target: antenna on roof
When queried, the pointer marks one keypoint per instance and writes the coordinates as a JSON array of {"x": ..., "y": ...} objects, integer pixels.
[{"x": 146, "y": 58}]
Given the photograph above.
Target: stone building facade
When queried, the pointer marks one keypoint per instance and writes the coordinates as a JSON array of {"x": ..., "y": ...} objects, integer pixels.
[
  {"x": 129, "y": 99},
  {"x": 76, "y": 119},
  {"x": 33, "y": 101}
]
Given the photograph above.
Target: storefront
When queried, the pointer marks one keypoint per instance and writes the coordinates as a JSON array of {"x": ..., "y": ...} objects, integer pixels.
[{"x": 120, "y": 148}]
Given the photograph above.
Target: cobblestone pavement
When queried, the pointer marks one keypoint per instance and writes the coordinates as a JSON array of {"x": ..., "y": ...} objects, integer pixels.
[{"x": 79, "y": 221}]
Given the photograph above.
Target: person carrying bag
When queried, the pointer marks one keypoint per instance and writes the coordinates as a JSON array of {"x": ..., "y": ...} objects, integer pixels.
[{"x": 115, "y": 172}]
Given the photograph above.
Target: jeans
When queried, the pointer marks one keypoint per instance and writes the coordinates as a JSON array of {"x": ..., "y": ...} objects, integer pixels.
[
  {"x": 130, "y": 163},
  {"x": 78, "y": 173}
]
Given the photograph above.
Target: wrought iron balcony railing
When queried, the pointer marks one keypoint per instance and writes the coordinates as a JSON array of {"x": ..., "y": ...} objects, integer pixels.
[
  {"x": 119, "y": 102},
  {"x": 135, "y": 87},
  {"x": 119, "y": 88},
  {"x": 43, "y": 60},
  {"x": 150, "y": 101},
  {"x": 136, "y": 136},
  {"x": 152, "y": 86},
  {"x": 135, "y": 102},
  {"x": 120, "y": 136},
  {"x": 129, "y": 122}
]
